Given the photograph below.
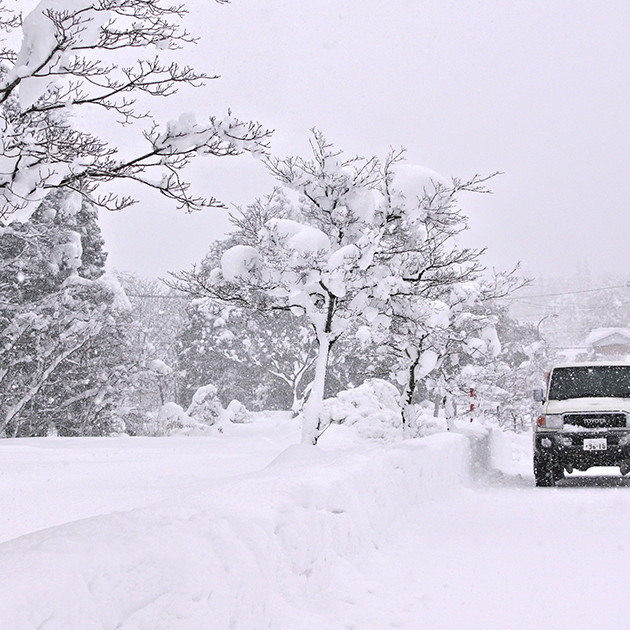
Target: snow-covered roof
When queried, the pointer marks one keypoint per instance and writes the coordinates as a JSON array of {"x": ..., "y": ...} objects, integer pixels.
[
  {"x": 569, "y": 355},
  {"x": 608, "y": 337}
]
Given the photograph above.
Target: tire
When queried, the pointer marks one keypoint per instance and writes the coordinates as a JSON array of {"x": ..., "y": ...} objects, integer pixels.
[
  {"x": 545, "y": 472},
  {"x": 558, "y": 474}
]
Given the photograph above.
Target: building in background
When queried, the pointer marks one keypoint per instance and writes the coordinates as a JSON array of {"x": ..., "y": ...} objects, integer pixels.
[{"x": 609, "y": 343}]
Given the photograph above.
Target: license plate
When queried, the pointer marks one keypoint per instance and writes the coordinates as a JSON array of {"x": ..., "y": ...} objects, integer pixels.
[{"x": 595, "y": 444}]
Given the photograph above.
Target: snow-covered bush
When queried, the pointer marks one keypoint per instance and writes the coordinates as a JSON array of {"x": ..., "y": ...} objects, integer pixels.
[
  {"x": 160, "y": 368},
  {"x": 237, "y": 413},
  {"x": 170, "y": 419},
  {"x": 205, "y": 407},
  {"x": 426, "y": 422},
  {"x": 370, "y": 410}
]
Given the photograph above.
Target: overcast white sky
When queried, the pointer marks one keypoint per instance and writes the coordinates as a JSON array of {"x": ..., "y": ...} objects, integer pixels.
[{"x": 538, "y": 90}]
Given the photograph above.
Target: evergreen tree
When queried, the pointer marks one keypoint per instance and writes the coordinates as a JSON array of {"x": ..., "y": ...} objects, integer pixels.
[
  {"x": 206, "y": 360},
  {"x": 62, "y": 324}
]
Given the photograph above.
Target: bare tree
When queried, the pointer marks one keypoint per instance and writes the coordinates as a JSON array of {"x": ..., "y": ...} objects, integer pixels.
[{"x": 62, "y": 67}]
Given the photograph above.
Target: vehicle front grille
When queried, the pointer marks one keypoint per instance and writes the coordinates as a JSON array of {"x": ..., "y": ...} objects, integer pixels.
[{"x": 596, "y": 420}]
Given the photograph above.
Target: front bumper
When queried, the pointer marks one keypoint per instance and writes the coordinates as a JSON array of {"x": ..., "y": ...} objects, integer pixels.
[{"x": 566, "y": 449}]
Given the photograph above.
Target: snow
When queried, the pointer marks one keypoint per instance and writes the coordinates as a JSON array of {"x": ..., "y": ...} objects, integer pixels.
[
  {"x": 239, "y": 262},
  {"x": 411, "y": 184},
  {"x": 37, "y": 57},
  {"x": 427, "y": 363},
  {"x": 367, "y": 412},
  {"x": 298, "y": 237},
  {"x": 511, "y": 453},
  {"x": 262, "y": 550},
  {"x": 250, "y": 530},
  {"x": 159, "y": 367},
  {"x": 46, "y": 482}
]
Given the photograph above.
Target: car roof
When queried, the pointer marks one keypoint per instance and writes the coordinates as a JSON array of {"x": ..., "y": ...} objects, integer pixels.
[{"x": 593, "y": 364}]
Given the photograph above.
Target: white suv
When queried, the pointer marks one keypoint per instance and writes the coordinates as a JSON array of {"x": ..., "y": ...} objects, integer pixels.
[{"x": 584, "y": 422}]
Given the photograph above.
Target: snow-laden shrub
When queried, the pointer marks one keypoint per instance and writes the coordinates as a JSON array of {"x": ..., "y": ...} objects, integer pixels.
[
  {"x": 370, "y": 410},
  {"x": 426, "y": 423},
  {"x": 170, "y": 419},
  {"x": 205, "y": 407},
  {"x": 159, "y": 367},
  {"x": 237, "y": 413}
]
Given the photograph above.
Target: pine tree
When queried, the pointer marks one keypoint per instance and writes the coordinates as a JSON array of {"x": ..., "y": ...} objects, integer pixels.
[{"x": 62, "y": 324}]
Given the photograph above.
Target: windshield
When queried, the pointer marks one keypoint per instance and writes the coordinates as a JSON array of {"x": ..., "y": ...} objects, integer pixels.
[{"x": 601, "y": 381}]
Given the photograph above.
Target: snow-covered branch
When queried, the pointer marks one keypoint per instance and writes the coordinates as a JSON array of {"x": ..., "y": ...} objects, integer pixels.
[{"x": 61, "y": 68}]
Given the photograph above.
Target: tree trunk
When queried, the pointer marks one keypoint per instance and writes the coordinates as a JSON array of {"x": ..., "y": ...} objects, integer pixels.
[
  {"x": 409, "y": 420},
  {"x": 437, "y": 402},
  {"x": 408, "y": 411},
  {"x": 312, "y": 429},
  {"x": 297, "y": 404}
]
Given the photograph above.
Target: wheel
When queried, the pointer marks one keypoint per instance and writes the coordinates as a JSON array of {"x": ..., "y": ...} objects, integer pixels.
[
  {"x": 546, "y": 473},
  {"x": 558, "y": 473}
]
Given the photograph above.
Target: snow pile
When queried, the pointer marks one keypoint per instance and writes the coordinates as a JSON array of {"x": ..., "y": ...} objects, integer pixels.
[
  {"x": 510, "y": 452},
  {"x": 46, "y": 482},
  {"x": 367, "y": 412},
  {"x": 276, "y": 549}
]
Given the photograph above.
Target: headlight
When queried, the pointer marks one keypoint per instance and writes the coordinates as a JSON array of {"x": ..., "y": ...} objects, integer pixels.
[{"x": 553, "y": 421}]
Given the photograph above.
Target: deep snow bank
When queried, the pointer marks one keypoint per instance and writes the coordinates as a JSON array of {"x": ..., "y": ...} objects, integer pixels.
[
  {"x": 45, "y": 482},
  {"x": 276, "y": 549},
  {"x": 512, "y": 453}
]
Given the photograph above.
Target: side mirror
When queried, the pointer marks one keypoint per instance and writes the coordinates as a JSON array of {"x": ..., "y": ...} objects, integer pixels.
[{"x": 539, "y": 395}]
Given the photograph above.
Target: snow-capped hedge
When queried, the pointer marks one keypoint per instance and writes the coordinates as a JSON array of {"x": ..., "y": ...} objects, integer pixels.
[
  {"x": 257, "y": 552},
  {"x": 368, "y": 412}
]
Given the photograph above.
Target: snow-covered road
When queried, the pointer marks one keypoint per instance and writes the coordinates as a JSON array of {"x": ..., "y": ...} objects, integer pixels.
[
  {"x": 214, "y": 536},
  {"x": 511, "y": 558}
]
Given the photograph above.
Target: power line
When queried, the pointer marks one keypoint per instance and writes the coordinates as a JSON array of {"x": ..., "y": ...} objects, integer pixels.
[
  {"x": 162, "y": 297},
  {"x": 527, "y": 297}
]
